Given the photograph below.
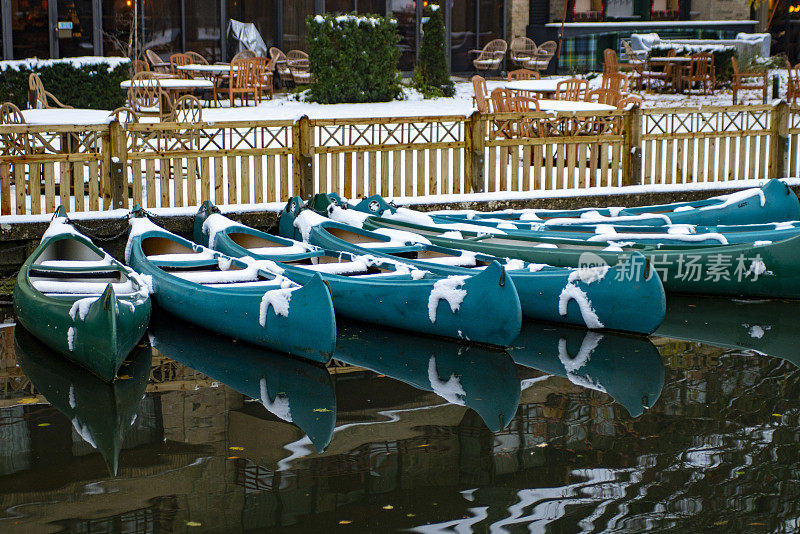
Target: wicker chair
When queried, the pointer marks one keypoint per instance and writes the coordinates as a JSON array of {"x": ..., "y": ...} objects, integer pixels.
[
  {"x": 10, "y": 114},
  {"x": 156, "y": 63},
  {"x": 700, "y": 70},
  {"x": 196, "y": 58},
  {"x": 793, "y": 84},
  {"x": 124, "y": 115},
  {"x": 743, "y": 81},
  {"x": 244, "y": 54},
  {"x": 13, "y": 143},
  {"x": 43, "y": 97},
  {"x": 544, "y": 54},
  {"x": 481, "y": 96},
  {"x": 491, "y": 56},
  {"x": 137, "y": 66},
  {"x": 521, "y": 50},
  {"x": 280, "y": 65},
  {"x": 187, "y": 109},
  {"x": 573, "y": 89},
  {"x": 147, "y": 98},
  {"x": 523, "y": 74}
]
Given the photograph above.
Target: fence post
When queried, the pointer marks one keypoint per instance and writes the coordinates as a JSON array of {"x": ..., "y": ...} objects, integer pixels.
[
  {"x": 117, "y": 176},
  {"x": 632, "y": 146},
  {"x": 778, "y": 140},
  {"x": 474, "y": 146},
  {"x": 303, "y": 155}
]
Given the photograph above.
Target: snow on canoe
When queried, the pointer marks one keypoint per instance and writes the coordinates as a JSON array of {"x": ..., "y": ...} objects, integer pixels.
[
  {"x": 593, "y": 295},
  {"x": 80, "y": 301},
  {"x": 381, "y": 291},
  {"x": 241, "y": 299}
]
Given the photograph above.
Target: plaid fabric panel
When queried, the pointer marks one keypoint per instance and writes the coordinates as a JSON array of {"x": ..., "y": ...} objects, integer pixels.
[{"x": 578, "y": 54}]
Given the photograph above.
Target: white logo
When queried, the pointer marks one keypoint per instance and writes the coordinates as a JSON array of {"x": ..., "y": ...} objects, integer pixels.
[{"x": 374, "y": 206}]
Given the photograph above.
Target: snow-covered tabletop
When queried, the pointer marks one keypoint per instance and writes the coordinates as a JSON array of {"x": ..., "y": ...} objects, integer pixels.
[
  {"x": 537, "y": 86},
  {"x": 571, "y": 105},
  {"x": 63, "y": 116},
  {"x": 196, "y": 67},
  {"x": 175, "y": 83}
]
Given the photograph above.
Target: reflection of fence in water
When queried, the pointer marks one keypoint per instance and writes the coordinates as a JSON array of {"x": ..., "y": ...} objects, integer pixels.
[{"x": 175, "y": 165}]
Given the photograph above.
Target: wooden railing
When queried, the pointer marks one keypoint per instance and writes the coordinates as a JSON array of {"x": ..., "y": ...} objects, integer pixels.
[{"x": 173, "y": 165}]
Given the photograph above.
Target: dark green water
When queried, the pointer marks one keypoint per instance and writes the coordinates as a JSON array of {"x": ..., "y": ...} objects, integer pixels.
[{"x": 693, "y": 430}]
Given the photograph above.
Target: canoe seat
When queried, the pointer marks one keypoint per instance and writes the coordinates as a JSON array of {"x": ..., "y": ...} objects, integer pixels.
[
  {"x": 220, "y": 277},
  {"x": 347, "y": 267},
  {"x": 112, "y": 274},
  {"x": 81, "y": 288}
]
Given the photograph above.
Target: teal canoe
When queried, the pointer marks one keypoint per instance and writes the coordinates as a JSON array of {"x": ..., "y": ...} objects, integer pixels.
[
  {"x": 484, "y": 380},
  {"x": 245, "y": 300},
  {"x": 627, "y": 368},
  {"x": 101, "y": 413},
  {"x": 598, "y": 298},
  {"x": 764, "y": 326},
  {"x": 774, "y": 202},
  {"x": 80, "y": 301},
  {"x": 293, "y": 390},
  {"x": 379, "y": 291},
  {"x": 768, "y": 269}
]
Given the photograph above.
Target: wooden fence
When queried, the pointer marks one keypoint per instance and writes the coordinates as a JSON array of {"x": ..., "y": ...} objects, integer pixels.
[{"x": 174, "y": 165}]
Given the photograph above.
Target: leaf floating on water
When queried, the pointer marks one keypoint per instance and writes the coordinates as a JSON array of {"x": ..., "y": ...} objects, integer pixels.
[
  {"x": 236, "y": 448},
  {"x": 777, "y": 415},
  {"x": 739, "y": 472},
  {"x": 718, "y": 523},
  {"x": 124, "y": 377},
  {"x": 233, "y": 457},
  {"x": 28, "y": 400},
  {"x": 388, "y": 507},
  {"x": 542, "y": 445},
  {"x": 345, "y": 522},
  {"x": 424, "y": 445},
  {"x": 193, "y": 524},
  {"x": 321, "y": 410},
  {"x": 411, "y": 515},
  {"x": 43, "y": 424}
]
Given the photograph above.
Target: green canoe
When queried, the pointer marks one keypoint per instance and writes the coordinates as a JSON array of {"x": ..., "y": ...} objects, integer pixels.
[
  {"x": 769, "y": 269},
  {"x": 81, "y": 302},
  {"x": 101, "y": 413}
]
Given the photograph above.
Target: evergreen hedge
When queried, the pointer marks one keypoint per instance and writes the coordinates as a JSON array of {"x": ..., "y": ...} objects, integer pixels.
[
  {"x": 353, "y": 59},
  {"x": 87, "y": 86},
  {"x": 432, "y": 76}
]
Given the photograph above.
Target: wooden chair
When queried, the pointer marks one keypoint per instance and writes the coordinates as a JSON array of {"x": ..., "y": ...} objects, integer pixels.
[
  {"x": 610, "y": 97},
  {"x": 157, "y": 64},
  {"x": 262, "y": 76},
  {"x": 196, "y": 58},
  {"x": 521, "y": 50},
  {"x": 280, "y": 65},
  {"x": 244, "y": 54},
  {"x": 527, "y": 127},
  {"x": 138, "y": 65},
  {"x": 573, "y": 89},
  {"x": 13, "y": 143},
  {"x": 743, "y": 81},
  {"x": 147, "y": 98},
  {"x": 43, "y": 97},
  {"x": 124, "y": 115},
  {"x": 10, "y": 114},
  {"x": 180, "y": 60},
  {"x": 240, "y": 82},
  {"x": 793, "y": 84},
  {"x": 610, "y": 63},
  {"x": 615, "y": 81},
  {"x": 501, "y": 100},
  {"x": 700, "y": 70},
  {"x": 522, "y": 74},
  {"x": 187, "y": 109},
  {"x": 490, "y": 57},
  {"x": 481, "y": 97},
  {"x": 544, "y": 54},
  {"x": 665, "y": 75}
]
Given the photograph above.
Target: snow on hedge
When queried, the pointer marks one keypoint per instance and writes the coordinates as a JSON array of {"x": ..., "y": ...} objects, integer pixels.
[{"x": 35, "y": 63}]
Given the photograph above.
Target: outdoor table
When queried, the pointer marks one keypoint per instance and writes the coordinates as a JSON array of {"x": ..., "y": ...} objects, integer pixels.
[
  {"x": 680, "y": 61},
  {"x": 66, "y": 116},
  {"x": 176, "y": 84},
  {"x": 216, "y": 68},
  {"x": 571, "y": 105},
  {"x": 534, "y": 86}
]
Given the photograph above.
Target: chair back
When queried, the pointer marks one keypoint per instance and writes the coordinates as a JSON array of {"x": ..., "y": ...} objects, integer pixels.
[
  {"x": 279, "y": 62},
  {"x": 572, "y": 89},
  {"x": 610, "y": 64},
  {"x": 145, "y": 94},
  {"x": 196, "y": 58},
  {"x": 701, "y": 65},
  {"x": 124, "y": 115},
  {"x": 615, "y": 81},
  {"x": 36, "y": 86},
  {"x": 545, "y": 53},
  {"x": 522, "y": 74},
  {"x": 155, "y": 61},
  {"x": 260, "y": 64},
  {"x": 187, "y": 109},
  {"x": 494, "y": 50},
  {"x": 179, "y": 60},
  {"x": 241, "y": 74},
  {"x": 10, "y": 114},
  {"x": 604, "y": 96},
  {"x": 481, "y": 93},
  {"x": 735, "y": 65},
  {"x": 294, "y": 55},
  {"x": 630, "y": 55},
  {"x": 244, "y": 54},
  {"x": 522, "y": 49},
  {"x": 139, "y": 65}
]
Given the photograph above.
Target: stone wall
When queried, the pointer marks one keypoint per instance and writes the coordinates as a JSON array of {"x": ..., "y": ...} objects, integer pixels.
[{"x": 518, "y": 12}]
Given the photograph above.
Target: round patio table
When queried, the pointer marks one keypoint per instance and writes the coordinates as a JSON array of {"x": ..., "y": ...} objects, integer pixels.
[
  {"x": 534, "y": 86},
  {"x": 175, "y": 84},
  {"x": 207, "y": 69},
  {"x": 571, "y": 105},
  {"x": 63, "y": 116}
]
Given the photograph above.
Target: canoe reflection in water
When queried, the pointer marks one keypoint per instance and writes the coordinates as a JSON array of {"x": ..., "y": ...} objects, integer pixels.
[
  {"x": 468, "y": 375},
  {"x": 101, "y": 412},
  {"x": 766, "y": 326},
  {"x": 628, "y": 368},
  {"x": 294, "y": 390}
]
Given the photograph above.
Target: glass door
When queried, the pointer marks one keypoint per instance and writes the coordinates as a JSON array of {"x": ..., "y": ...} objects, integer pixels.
[
  {"x": 74, "y": 28},
  {"x": 30, "y": 29}
]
